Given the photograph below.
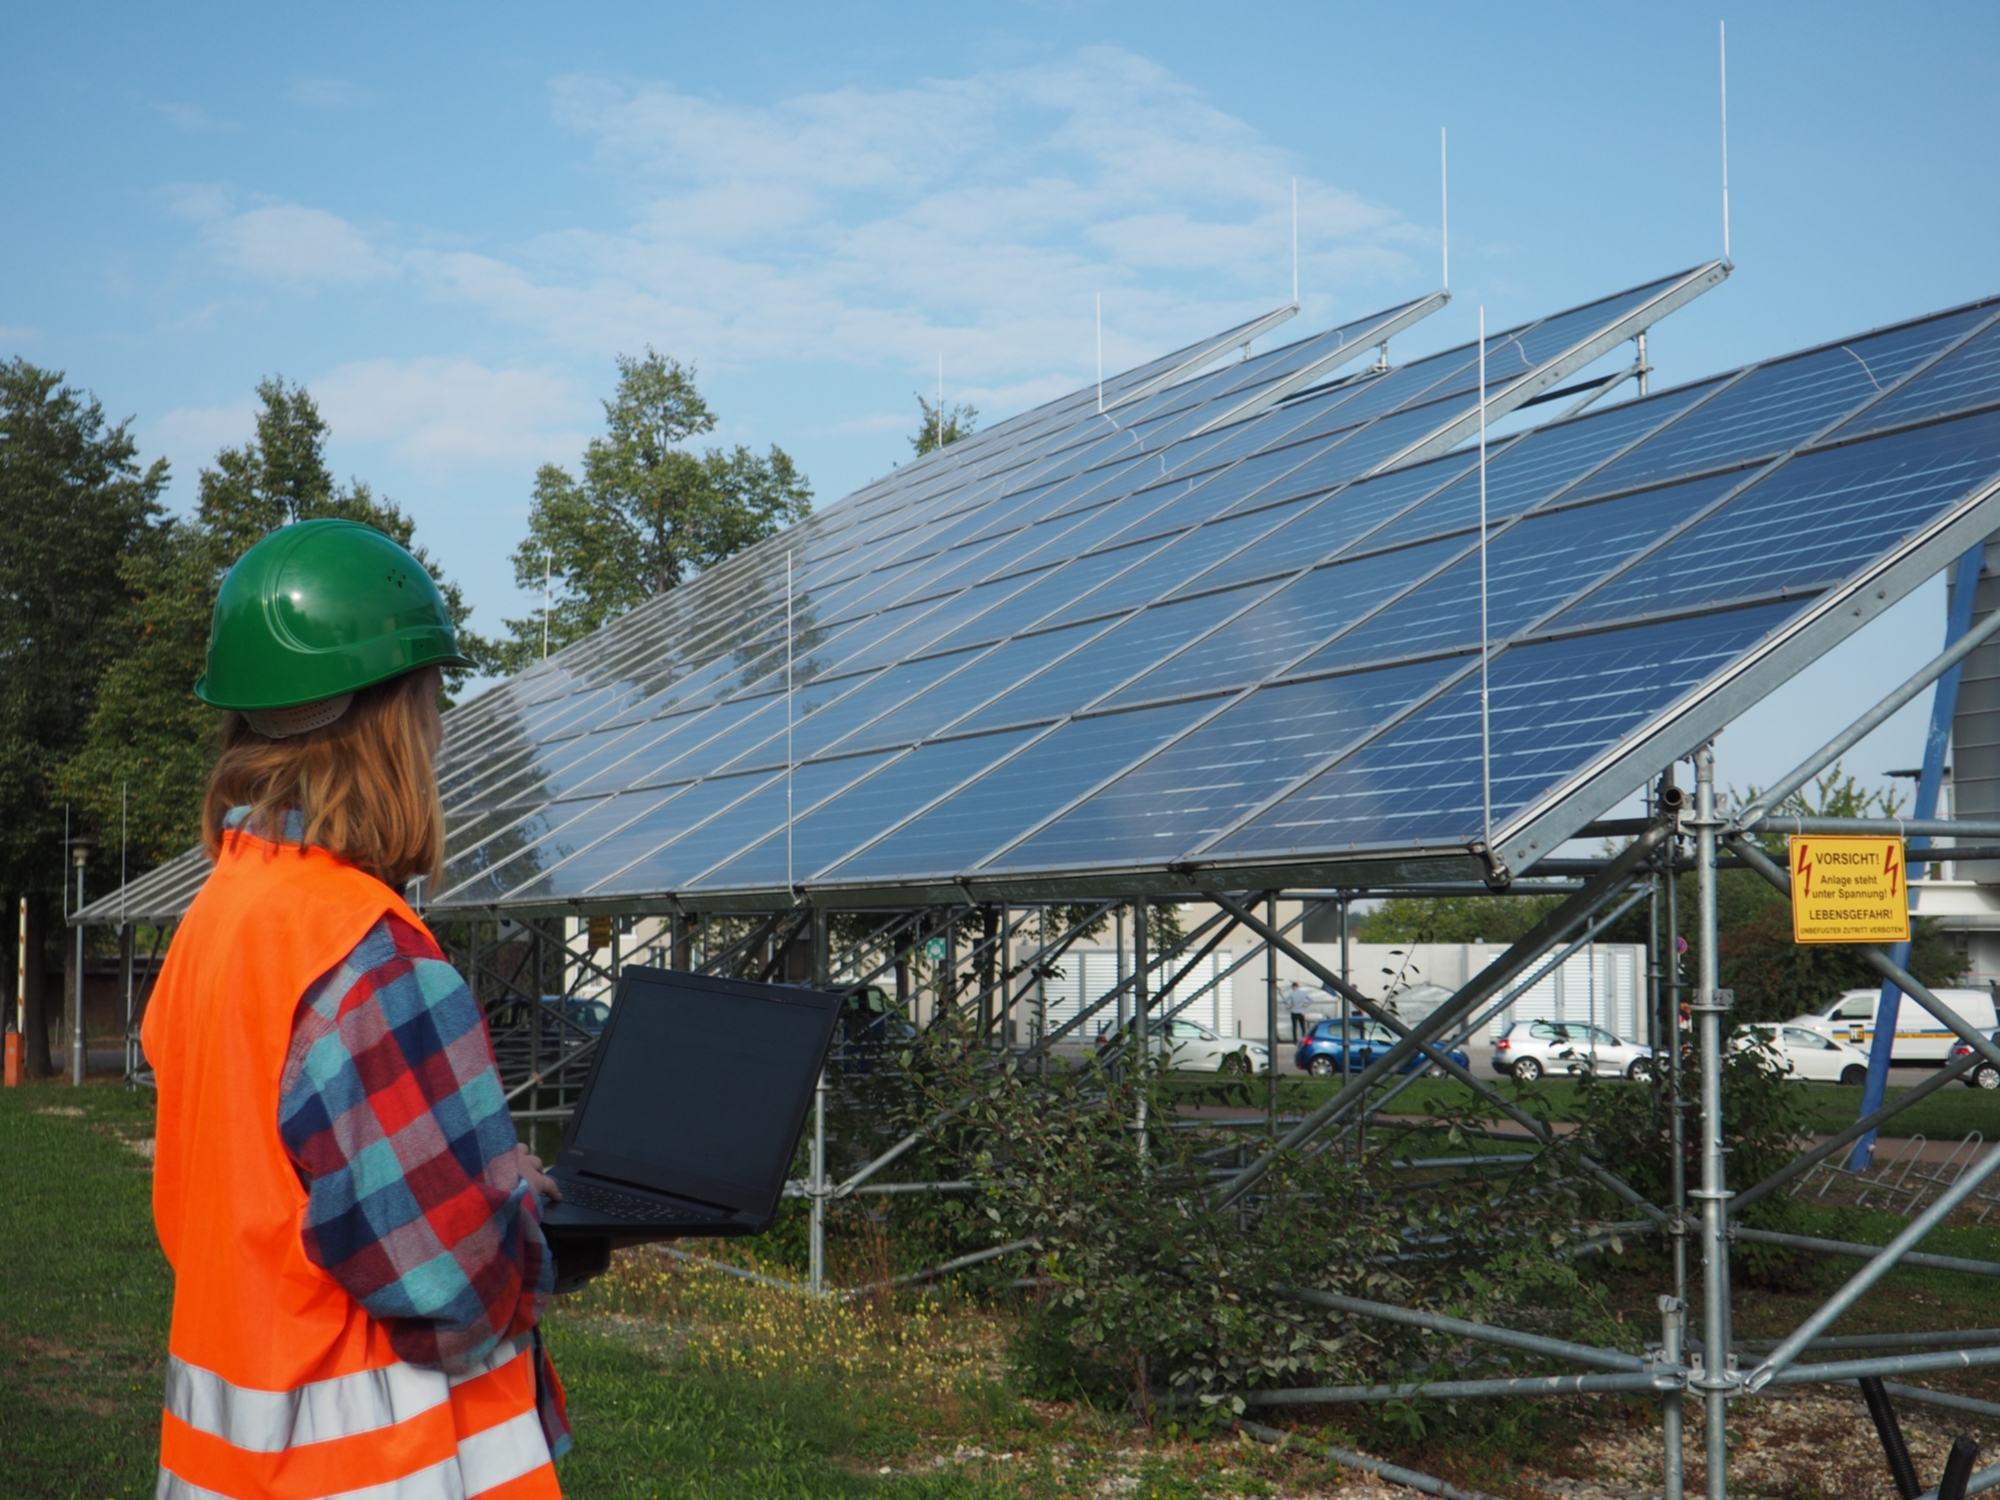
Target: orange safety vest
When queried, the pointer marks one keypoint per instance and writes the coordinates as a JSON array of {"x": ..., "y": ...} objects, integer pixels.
[{"x": 279, "y": 1385}]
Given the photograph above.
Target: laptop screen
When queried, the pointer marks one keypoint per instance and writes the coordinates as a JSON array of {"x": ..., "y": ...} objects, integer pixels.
[{"x": 702, "y": 1085}]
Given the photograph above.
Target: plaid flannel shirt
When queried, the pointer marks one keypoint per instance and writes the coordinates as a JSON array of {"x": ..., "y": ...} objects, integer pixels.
[{"x": 391, "y": 1109}]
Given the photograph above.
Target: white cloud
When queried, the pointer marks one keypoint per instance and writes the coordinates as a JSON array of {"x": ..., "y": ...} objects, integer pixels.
[
  {"x": 330, "y": 93},
  {"x": 445, "y": 411},
  {"x": 191, "y": 436},
  {"x": 976, "y": 217},
  {"x": 283, "y": 242},
  {"x": 193, "y": 119}
]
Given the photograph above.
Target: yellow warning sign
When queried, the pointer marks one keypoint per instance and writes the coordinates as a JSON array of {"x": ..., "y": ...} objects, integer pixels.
[{"x": 1848, "y": 890}]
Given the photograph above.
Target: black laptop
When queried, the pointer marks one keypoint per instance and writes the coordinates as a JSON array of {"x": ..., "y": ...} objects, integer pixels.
[{"x": 692, "y": 1108}]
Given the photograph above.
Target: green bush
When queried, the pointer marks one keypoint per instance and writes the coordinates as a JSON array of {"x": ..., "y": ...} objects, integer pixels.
[{"x": 1155, "y": 1286}]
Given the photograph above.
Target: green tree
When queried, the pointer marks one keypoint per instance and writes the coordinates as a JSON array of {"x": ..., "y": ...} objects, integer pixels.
[
  {"x": 647, "y": 513},
  {"x": 942, "y": 424},
  {"x": 1453, "y": 919},
  {"x": 149, "y": 737},
  {"x": 75, "y": 504}
]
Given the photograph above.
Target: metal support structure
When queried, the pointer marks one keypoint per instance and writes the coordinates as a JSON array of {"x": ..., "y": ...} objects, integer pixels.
[
  {"x": 1716, "y": 1379},
  {"x": 1768, "y": 799},
  {"x": 816, "y": 1275},
  {"x": 79, "y": 1043},
  {"x": 128, "y": 939},
  {"x": 1930, "y": 780},
  {"x": 1271, "y": 1011},
  {"x": 1800, "y": 1165},
  {"x": 1884, "y": 1262},
  {"x": 1552, "y": 929},
  {"x": 1673, "y": 1318},
  {"x": 997, "y": 973},
  {"x": 1409, "y": 1479}
]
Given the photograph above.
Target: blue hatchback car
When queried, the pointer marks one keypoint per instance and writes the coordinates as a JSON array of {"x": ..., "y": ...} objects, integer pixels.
[{"x": 1320, "y": 1053}]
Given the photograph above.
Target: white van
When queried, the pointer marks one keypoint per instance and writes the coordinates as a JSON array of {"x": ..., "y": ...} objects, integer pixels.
[{"x": 1920, "y": 1036}]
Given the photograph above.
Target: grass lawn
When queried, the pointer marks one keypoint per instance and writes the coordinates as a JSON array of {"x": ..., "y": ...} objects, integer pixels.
[{"x": 688, "y": 1383}]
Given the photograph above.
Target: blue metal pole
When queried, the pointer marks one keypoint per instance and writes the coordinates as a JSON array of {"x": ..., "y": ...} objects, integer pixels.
[{"x": 1943, "y": 704}]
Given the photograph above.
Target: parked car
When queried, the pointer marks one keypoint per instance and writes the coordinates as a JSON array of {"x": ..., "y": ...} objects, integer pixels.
[
  {"x": 1195, "y": 1046},
  {"x": 871, "y": 1026},
  {"x": 587, "y": 1014},
  {"x": 1985, "y": 1076},
  {"x": 1322, "y": 1051},
  {"x": 1920, "y": 1036},
  {"x": 1804, "y": 1055},
  {"x": 1528, "y": 1049}
]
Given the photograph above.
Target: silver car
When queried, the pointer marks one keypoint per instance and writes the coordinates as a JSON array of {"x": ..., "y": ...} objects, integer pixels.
[{"x": 1529, "y": 1049}]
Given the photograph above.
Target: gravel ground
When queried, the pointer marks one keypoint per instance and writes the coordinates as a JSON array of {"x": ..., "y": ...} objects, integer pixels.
[{"x": 1802, "y": 1445}]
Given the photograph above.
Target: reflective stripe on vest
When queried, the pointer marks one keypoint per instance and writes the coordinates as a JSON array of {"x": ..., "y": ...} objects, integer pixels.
[
  {"x": 485, "y": 1461},
  {"x": 273, "y": 1421},
  {"x": 249, "y": 1419}
]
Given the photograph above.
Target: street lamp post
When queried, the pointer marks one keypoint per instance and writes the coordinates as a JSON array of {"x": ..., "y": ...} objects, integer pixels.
[{"x": 79, "y": 854}]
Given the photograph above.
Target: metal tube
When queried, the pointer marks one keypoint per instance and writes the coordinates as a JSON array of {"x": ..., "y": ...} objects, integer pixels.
[
  {"x": 1833, "y": 1146},
  {"x": 1551, "y": 929},
  {"x": 1532, "y": 1343},
  {"x": 1141, "y": 996},
  {"x": 1894, "y": 1340},
  {"x": 728, "y": 1270},
  {"x": 1714, "y": 1379},
  {"x": 1899, "y": 1364},
  {"x": 1479, "y": 1086},
  {"x": 1883, "y": 1263},
  {"x": 1673, "y": 1315},
  {"x": 128, "y": 941},
  {"x": 1347, "y": 1459},
  {"x": 1271, "y": 1011},
  {"x": 1676, "y": 1073},
  {"x": 1924, "y": 1396},
  {"x": 1470, "y": 1029},
  {"x": 1982, "y": 828},
  {"x": 816, "y": 1270},
  {"x": 1125, "y": 981},
  {"x": 977, "y": 1257},
  {"x": 1863, "y": 1252},
  {"x": 1859, "y": 730},
  {"x": 1523, "y": 1385}
]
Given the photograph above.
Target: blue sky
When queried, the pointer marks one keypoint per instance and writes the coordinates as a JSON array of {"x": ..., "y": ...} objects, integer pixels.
[{"x": 447, "y": 222}]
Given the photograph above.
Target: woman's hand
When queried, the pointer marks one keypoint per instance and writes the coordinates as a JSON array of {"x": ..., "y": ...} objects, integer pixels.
[{"x": 531, "y": 1171}]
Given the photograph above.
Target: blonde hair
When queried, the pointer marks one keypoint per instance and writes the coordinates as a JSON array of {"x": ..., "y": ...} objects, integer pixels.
[{"x": 363, "y": 785}]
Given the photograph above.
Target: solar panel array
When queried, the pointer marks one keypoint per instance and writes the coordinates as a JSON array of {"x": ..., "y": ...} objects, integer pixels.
[{"x": 1229, "y": 620}]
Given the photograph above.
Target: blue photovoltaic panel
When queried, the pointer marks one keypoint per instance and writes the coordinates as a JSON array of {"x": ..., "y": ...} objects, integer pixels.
[
  {"x": 1051, "y": 772},
  {"x": 881, "y": 801},
  {"x": 1808, "y": 525},
  {"x": 1551, "y": 705},
  {"x": 1528, "y": 566},
  {"x": 1267, "y": 639},
  {"x": 1232, "y": 617},
  {"x": 1079, "y": 680},
  {"x": 1206, "y": 781}
]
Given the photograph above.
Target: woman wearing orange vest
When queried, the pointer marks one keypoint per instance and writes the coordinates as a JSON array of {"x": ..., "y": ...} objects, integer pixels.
[{"x": 354, "y": 1230}]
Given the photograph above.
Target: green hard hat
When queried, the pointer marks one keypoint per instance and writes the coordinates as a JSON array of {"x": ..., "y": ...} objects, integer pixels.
[{"x": 319, "y": 609}]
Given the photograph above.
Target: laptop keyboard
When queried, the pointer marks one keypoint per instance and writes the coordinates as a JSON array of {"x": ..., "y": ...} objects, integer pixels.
[{"x": 630, "y": 1208}]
